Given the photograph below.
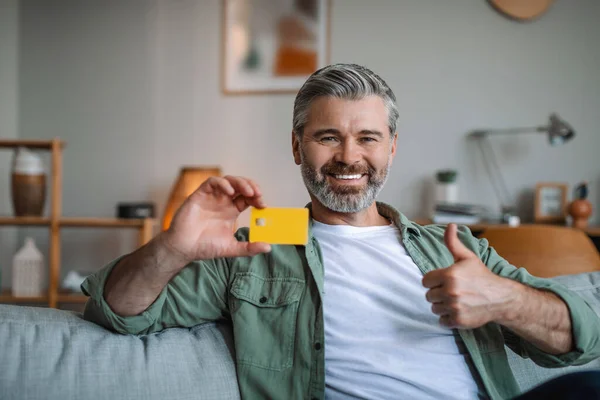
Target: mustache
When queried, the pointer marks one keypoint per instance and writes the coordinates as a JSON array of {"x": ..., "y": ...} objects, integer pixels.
[{"x": 345, "y": 169}]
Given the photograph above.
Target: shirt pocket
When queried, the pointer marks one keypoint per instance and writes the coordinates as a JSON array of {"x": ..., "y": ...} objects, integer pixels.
[{"x": 264, "y": 313}]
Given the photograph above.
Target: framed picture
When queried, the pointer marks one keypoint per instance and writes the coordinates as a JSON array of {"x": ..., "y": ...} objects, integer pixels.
[
  {"x": 551, "y": 202},
  {"x": 272, "y": 46}
]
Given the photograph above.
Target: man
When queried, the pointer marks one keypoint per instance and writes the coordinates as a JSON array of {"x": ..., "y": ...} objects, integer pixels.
[{"x": 374, "y": 306}]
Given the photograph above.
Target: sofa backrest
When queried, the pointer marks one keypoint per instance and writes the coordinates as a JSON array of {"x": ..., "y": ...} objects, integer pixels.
[
  {"x": 54, "y": 354},
  {"x": 526, "y": 372}
]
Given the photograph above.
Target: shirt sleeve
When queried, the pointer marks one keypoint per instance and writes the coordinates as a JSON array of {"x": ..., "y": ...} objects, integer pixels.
[
  {"x": 585, "y": 322},
  {"x": 197, "y": 294}
]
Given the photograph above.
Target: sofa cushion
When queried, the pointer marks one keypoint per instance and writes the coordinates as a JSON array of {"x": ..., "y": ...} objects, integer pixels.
[
  {"x": 528, "y": 375},
  {"x": 46, "y": 354},
  {"x": 55, "y": 354}
]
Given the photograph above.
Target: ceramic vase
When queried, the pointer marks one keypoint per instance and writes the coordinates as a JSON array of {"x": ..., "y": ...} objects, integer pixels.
[
  {"x": 28, "y": 184},
  {"x": 27, "y": 270},
  {"x": 580, "y": 210}
]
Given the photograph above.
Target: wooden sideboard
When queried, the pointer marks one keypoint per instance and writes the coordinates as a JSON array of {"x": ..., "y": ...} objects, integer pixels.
[{"x": 592, "y": 231}]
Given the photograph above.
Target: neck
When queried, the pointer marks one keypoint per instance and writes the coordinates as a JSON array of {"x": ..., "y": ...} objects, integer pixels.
[{"x": 367, "y": 217}]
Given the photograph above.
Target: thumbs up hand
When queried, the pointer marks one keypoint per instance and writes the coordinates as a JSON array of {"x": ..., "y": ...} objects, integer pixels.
[{"x": 467, "y": 294}]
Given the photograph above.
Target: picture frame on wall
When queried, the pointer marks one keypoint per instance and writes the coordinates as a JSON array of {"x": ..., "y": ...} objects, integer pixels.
[
  {"x": 273, "y": 46},
  {"x": 550, "y": 203}
]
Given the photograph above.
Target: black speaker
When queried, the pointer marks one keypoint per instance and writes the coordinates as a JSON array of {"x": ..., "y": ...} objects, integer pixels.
[{"x": 135, "y": 210}]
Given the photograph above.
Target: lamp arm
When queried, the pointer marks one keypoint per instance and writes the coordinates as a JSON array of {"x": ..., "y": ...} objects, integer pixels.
[
  {"x": 493, "y": 170},
  {"x": 510, "y": 131}
]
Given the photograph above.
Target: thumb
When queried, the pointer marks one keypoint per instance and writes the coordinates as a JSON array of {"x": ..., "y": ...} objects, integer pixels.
[
  {"x": 458, "y": 250},
  {"x": 245, "y": 249}
]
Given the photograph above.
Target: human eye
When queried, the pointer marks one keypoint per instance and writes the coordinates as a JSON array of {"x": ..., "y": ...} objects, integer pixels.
[
  {"x": 328, "y": 139},
  {"x": 368, "y": 139}
]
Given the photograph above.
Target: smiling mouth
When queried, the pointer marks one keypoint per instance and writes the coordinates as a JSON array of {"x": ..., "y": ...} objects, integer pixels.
[
  {"x": 347, "y": 177},
  {"x": 351, "y": 179}
]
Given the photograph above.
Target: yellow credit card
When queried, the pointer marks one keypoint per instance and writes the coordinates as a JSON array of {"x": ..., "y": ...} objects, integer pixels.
[{"x": 279, "y": 225}]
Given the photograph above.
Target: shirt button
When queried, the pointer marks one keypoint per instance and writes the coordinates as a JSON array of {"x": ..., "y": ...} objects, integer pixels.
[
  {"x": 263, "y": 299},
  {"x": 317, "y": 346}
]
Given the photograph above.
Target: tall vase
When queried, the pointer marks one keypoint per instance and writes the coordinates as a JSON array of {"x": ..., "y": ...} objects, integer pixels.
[{"x": 28, "y": 184}]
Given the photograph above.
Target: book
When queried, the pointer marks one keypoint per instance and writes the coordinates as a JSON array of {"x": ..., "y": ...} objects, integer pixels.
[
  {"x": 449, "y": 218},
  {"x": 460, "y": 209}
]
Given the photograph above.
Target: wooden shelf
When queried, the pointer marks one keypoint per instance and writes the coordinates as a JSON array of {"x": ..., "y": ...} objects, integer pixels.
[
  {"x": 34, "y": 144},
  {"x": 101, "y": 222},
  {"x": 31, "y": 221},
  {"x": 7, "y": 297},
  {"x": 75, "y": 222},
  {"x": 68, "y": 297}
]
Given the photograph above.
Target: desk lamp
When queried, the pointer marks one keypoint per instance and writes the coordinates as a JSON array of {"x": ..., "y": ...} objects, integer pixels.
[
  {"x": 558, "y": 132},
  {"x": 187, "y": 182}
]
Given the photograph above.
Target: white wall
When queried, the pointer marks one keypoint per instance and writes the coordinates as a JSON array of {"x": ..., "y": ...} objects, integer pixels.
[
  {"x": 133, "y": 88},
  {"x": 9, "y": 79}
]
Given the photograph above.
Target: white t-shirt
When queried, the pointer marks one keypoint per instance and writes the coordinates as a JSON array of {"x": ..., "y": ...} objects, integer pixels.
[{"x": 382, "y": 341}]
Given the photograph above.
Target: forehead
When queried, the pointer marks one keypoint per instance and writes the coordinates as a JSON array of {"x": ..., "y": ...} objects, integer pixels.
[{"x": 367, "y": 113}]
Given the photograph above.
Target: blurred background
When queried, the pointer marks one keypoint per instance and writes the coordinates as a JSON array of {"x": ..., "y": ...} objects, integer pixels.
[{"x": 137, "y": 90}]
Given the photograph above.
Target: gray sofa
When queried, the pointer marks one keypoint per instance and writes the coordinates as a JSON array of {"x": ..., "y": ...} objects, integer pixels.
[{"x": 52, "y": 354}]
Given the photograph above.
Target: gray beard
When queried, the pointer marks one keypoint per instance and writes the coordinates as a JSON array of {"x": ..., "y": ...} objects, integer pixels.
[{"x": 342, "y": 201}]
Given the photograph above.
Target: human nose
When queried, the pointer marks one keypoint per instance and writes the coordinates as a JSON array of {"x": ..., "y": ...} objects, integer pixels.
[{"x": 348, "y": 153}]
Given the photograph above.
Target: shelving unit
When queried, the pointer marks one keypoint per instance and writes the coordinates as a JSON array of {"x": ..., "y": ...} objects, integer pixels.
[{"x": 55, "y": 221}]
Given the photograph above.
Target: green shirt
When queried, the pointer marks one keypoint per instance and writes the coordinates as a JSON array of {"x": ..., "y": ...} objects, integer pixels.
[{"x": 274, "y": 304}]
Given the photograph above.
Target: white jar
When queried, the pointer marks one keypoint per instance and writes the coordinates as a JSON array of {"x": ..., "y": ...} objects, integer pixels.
[
  {"x": 446, "y": 192},
  {"x": 28, "y": 271}
]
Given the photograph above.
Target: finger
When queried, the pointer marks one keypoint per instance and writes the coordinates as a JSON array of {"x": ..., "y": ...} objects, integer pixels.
[
  {"x": 242, "y": 203},
  {"x": 440, "y": 309},
  {"x": 205, "y": 187},
  {"x": 435, "y": 295},
  {"x": 208, "y": 186},
  {"x": 447, "y": 321},
  {"x": 257, "y": 200},
  {"x": 258, "y": 248},
  {"x": 249, "y": 249},
  {"x": 255, "y": 187},
  {"x": 457, "y": 248},
  {"x": 221, "y": 185},
  {"x": 433, "y": 279},
  {"x": 240, "y": 185}
]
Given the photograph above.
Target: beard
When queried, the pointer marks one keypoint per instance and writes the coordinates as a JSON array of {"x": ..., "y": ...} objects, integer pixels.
[{"x": 343, "y": 198}]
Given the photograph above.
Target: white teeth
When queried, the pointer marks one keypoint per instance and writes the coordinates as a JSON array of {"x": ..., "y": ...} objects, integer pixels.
[{"x": 348, "y": 176}]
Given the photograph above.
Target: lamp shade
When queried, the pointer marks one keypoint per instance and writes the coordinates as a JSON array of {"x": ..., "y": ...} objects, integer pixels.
[
  {"x": 187, "y": 182},
  {"x": 559, "y": 131}
]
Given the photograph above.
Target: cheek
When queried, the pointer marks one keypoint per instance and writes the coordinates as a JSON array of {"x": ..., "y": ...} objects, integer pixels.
[
  {"x": 315, "y": 157},
  {"x": 379, "y": 160}
]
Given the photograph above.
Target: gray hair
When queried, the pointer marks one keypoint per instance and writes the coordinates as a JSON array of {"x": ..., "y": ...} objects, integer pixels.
[{"x": 344, "y": 81}]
